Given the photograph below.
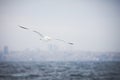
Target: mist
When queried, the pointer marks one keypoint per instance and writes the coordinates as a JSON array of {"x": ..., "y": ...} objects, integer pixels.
[{"x": 92, "y": 25}]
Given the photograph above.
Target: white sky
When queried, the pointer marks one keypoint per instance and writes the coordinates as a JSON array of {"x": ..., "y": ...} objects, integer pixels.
[{"x": 93, "y": 25}]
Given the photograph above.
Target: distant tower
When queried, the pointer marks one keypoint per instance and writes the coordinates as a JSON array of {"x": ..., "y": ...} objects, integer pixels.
[
  {"x": 6, "y": 51},
  {"x": 52, "y": 47}
]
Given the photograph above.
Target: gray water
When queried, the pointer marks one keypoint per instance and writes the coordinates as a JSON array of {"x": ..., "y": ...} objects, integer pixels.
[{"x": 59, "y": 70}]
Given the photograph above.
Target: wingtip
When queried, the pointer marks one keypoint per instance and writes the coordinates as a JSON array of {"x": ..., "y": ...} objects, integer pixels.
[
  {"x": 71, "y": 43},
  {"x": 23, "y": 27},
  {"x": 20, "y": 26}
]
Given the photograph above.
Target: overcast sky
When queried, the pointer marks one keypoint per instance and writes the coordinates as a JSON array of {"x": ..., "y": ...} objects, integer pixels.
[{"x": 93, "y": 25}]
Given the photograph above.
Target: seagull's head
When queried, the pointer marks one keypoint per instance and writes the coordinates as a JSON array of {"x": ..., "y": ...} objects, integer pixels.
[{"x": 47, "y": 38}]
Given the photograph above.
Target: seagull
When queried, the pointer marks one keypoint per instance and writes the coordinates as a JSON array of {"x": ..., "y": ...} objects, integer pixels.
[{"x": 46, "y": 38}]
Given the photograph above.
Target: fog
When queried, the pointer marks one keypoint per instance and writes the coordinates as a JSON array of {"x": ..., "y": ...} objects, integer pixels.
[{"x": 92, "y": 25}]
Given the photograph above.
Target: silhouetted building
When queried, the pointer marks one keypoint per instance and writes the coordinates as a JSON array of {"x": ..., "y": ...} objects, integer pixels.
[
  {"x": 52, "y": 47},
  {"x": 6, "y": 51}
]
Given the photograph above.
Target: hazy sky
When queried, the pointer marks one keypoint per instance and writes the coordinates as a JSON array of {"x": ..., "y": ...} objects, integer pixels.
[{"x": 93, "y": 25}]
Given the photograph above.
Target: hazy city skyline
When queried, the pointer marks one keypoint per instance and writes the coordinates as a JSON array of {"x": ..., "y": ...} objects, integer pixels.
[{"x": 53, "y": 54}]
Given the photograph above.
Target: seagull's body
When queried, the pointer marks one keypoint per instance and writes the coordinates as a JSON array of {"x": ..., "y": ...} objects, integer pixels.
[{"x": 46, "y": 38}]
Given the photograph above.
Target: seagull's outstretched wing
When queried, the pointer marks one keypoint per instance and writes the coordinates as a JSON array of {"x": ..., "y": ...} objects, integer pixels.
[
  {"x": 38, "y": 33},
  {"x": 65, "y": 41},
  {"x": 60, "y": 40},
  {"x": 22, "y": 27}
]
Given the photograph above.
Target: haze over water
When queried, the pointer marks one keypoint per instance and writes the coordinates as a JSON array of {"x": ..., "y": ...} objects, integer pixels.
[{"x": 92, "y": 25}]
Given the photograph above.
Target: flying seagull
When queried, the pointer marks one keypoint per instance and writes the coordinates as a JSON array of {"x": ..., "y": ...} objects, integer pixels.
[{"x": 46, "y": 38}]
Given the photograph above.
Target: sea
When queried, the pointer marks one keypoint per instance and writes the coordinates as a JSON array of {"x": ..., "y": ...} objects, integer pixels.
[{"x": 56, "y": 70}]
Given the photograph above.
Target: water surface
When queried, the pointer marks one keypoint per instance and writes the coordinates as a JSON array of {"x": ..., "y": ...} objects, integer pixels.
[{"x": 59, "y": 70}]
